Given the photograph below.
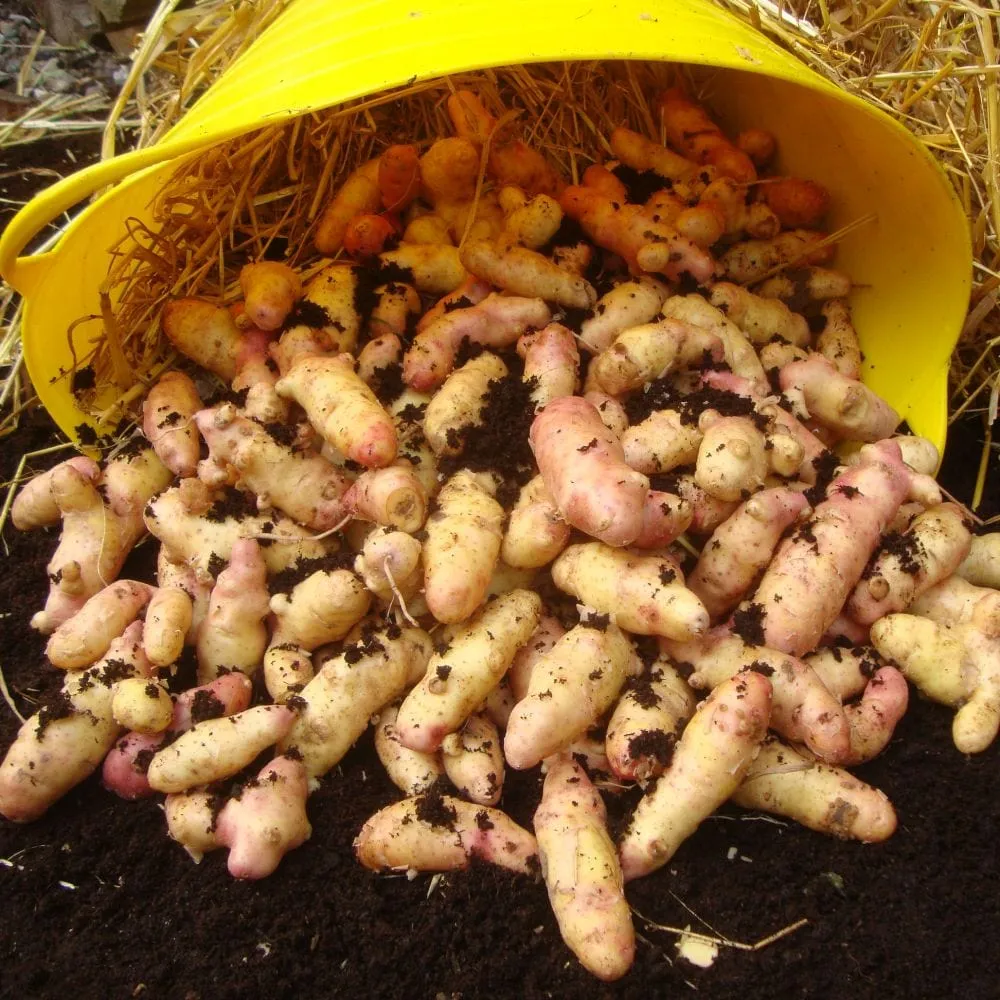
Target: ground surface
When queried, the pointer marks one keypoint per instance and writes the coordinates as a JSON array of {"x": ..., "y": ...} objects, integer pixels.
[{"x": 97, "y": 902}]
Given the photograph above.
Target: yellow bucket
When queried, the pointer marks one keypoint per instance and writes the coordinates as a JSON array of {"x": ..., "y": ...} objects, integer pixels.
[{"x": 913, "y": 262}]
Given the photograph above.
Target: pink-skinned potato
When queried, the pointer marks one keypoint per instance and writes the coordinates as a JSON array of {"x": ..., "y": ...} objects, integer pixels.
[
  {"x": 536, "y": 532},
  {"x": 709, "y": 762},
  {"x": 456, "y": 682},
  {"x": 306, "y": 487},
  {"x": 612, "y": 412},
  {"x": 496, "y": 321},
  {"x": 643, "y": 353},
  {"x": 226, "y": 695},
  {"x": 874, "y": 718},
  {"x": 191, "y": 822},
  {"x": 842, "y": 404},
  {"x": 168, "y": 422},
  {"x": 547, "y": 633},
  {"x": 233, "y": 635},
  {"x": 458, "y": 405},
  {"x": 439, "y": 833},
  {"x": 571, "y": 686},
  {"x": 99, "y": 528},
  {"x": 208, "y": 335},
  {"x": 628, "y": 231},
  {"x": 266, "y": 820},
  {"x": 180, "y": 518},
  {"x": 358, "y": 194},
  {"x": 803, "y": 709},
  {"x": 337, "y": 705},
  {"x": 471, "y": 292},
  {"x": 383, "y": 351},
  {"x": 584, "y": 470},
  {"x": 814, "y": 570},
  {"x": 552, "y": 359},
  {"x": 473, "y": 760},
  {"x": 392, "y": 496},
  {"x": 124, "y": 771},
  {"x": 660, "y": 442},
  {"x": 270, "y": 289},
  {"x": 581, "y": 871},
  {"x": 644, "y": 593},
  {"x": 65, "y": 742},
  {"x": 411, "y": 771},
  {"x": 521, "y": 271},
  {"x": 435, "y": 268},
  {"x": 342, "y": 408},
  {"x": 824, "y": 798},
  {"x": 628, "y": 304},
  {"x": 645, "y": 723},
  {"x": 665, "y": 517},
  {"x": 169, "y": 621},
  {"x": 89, "y": 633},
  {"x": 742, "y": 546},
  {"x": 707, "y": 512},
  {"x": 937, "y": 540},
  {"x": 957, "y": 664},
  {"x": 462, "y": 547},
  {"x": 34, "y": 506}
]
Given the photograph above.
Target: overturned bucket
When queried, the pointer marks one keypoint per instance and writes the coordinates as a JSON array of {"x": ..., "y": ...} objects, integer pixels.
[{"x": 913, "y": 262}]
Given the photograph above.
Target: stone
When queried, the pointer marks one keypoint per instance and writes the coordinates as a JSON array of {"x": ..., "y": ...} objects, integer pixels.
[
  {"x": 124, "y": 11},
  {"x": 69, "y": 22}
]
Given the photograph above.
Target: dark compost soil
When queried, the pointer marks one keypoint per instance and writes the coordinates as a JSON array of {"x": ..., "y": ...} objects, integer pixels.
[{"x": 96, "y": 901}]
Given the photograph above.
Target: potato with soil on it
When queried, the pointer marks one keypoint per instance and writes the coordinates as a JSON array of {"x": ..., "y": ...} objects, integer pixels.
[
  {"x": 584, "y": 470},
  {"x": 218, "y": 748},
  {"x": 336, "y": 706},
  {"x": 341, "y": 408},
  {"x": 581, "y": 871},
  {"x": 66, "y": 740},
  {"x": 470, "y": 665},
  {"x": 826, "y": 799},
  {"x": 570, "y": 687},
  {"x": 463, "y": 542},
  {"x": 435, "y": 833},
  {"x": 645, "y": 594},
  {"x": 713, "y": 754}
]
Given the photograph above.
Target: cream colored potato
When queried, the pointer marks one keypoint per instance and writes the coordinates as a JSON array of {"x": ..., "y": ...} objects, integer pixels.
[
  {"x": 142, "y": 705},
  {"x": 218, "y": 748},
  {"x": 459, "y": 678}
]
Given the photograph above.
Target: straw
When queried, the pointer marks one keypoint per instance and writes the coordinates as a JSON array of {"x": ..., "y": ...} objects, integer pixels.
[{"x": 935, "y": 66}]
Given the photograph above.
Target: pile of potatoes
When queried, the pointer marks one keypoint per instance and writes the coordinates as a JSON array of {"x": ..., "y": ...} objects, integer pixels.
[{"x": 526, "y": 473}]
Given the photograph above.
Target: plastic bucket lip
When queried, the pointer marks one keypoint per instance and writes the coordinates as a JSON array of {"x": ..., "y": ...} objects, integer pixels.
[{"x": 319, "y": 54}]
